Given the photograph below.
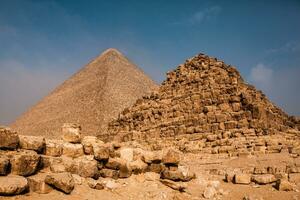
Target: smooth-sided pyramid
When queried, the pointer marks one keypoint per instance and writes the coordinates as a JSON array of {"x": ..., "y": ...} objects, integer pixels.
[
  {"x": 92, "y": 97},
  {"x": 205, "y": 105}
]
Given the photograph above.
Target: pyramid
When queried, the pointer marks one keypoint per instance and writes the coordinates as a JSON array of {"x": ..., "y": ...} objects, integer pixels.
[
  {"x": 92, "y": 97},
  {"x": 205, "y": 105}
]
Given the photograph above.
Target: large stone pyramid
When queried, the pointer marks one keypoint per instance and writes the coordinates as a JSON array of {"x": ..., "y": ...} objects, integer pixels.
[
  {"x": 92, "y": 97},
  {"x": 205, "y": 105}
]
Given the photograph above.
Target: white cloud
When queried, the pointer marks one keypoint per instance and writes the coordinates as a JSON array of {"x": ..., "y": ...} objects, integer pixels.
[
  {"x": 205, "y": 14},
  {"x": 22, "y": 87},
  {"x": 291, "y": 46},
  {"x": 280, "y": 85},
  {"x": 261, "y": 75}
]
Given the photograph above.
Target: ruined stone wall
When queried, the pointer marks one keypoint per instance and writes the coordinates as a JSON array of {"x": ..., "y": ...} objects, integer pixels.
[
  {"x": 204, "y": 105},
  {"x": 68, "y": 161}
]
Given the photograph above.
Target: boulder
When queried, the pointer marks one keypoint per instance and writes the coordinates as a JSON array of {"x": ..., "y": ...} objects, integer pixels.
[
  {"x": 37, "y": 184},
  {"x": 72, "y": 150},
  {"x": 54, "y": 148},
  {"x": 8, "y": 139},
  {"x": 25, "y": 163},
  {"x": 264, "y": 179},
  {"x": 101, "y": 152},
  {"x": 152, "y": 157},
  {"x": 47, "y": 161},
  {"x": 61, "y": 181},
  {"x": 115, "y": 163},
  {"x": 4, "y": 165},
  {"x": 87, "y": 166},
  {"x": 57, "y": 168},
  {"x": 109, "y": 173},
  {"x": 182, "y": 173},
  {"x": 155, "y": 167},
  {"x": 13, "y": 185},
  {"x": 242, "y": 179},
  {"x": 174, "y": 185},
  {"x": 171, "y": 157},
  {"x": 95, "y": 184},
  {"x": 35, "y": 143},
  {"x": 126, "y": 154},
  {"x": 71, "y": 132},
  {"x": 138, "y": 166},
  {"x": 88, "y": 142},
  {"x": 125, "y": 171},
  {"x": 284, "y": 185}
]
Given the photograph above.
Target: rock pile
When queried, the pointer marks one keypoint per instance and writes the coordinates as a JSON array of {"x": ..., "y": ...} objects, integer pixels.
[
  {"x": 37, "y": 164},
  {"x": 204, "y": 105}
]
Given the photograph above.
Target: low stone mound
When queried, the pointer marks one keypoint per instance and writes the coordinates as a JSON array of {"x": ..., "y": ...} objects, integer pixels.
[{"x": 205, "y": 105}]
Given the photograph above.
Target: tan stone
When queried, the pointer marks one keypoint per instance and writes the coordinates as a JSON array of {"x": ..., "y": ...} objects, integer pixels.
[
  {"x": 171, "y": 156},
  {"x": 4, "y": 165},
  {"x": 242, "y": 179},
  {"x": 88, "y": 142},
  {"x": 13, "y": 185},
  {"x": 101, "y": 152},
  {"x": 35, "y": 143},
  {"x": 115, "y": 163},
  {"x": 25, "y": 163},
  {"x": 284, "y": 185},
  {"x": 72, "y": 150},
  {"x": 126, "y": 154},
  {"x": 294, "y": 178},
  {"x": 95, "y": 184},
  {"x": 71, "y": 132},
  {"x": 54, "y": 148},
  {"x": 182, "y": 173},
  {"x": 37, "y": 184},
  {"x": 8, "y": 138},
  {"x": 109, "y": 173},
  {"x": 138, "y": 166},
  {"x": 61, "y": 181},
  {"x": 264, "y": 179}
]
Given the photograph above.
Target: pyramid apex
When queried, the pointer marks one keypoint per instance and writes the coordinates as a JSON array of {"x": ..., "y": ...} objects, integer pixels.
[{"x": 111, "y": 51}]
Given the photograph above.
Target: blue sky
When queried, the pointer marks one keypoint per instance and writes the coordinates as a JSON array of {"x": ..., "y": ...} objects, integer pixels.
[{"x": 44, "y": 42}]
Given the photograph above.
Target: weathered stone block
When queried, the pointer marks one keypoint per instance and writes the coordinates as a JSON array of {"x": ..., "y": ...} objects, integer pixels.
[
  {"x": 109, "y": 173},
  {"x": 54, "y": 148},
  {"x": 264, "y": 179},
  {"x": 25, "y": 163},
  {"x": 35, "y": 143},
  {"x": 101, "y": 152},
  {"x": 13, "y": 185},
  {"x": 37, "y": 184},
  {"x": 182, "y": 173},
  {"x": 8, "y": 139},
  {"x": 138, "y": 166},
  {"x": 242, "y": 179},
  {"x": 61, "y": 181},
  {"x": 72, "y": 150},
  {"x": 171, "y": 156},
  {"x": 71, "y": 132},
  {"x": 4, "y": 165},
  {"x": 88, "y": 142}
]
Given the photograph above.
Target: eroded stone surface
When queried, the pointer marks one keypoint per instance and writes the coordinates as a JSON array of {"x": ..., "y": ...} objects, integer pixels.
[
  {"x": 61, "y": 181},
  {"x": 13, "y": 185}
]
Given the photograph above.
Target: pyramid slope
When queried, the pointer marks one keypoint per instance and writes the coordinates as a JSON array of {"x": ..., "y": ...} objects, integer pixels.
[
  {"x": 204, "y": 102},
  {"x": 91, "y": 97}
]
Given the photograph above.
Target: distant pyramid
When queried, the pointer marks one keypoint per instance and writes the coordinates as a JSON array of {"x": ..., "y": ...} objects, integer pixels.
[
  {"x": 205, "y": 104},
  {"x": 91, "y": 97}
]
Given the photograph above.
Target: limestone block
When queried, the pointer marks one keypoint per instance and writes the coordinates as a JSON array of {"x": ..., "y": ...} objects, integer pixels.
[
  {"x": 138, "y": 166},
  {"x": 182, "y": 173},
  {"x": 72, "y": 150},
  {"x": 71, "y": 132},
  {"x": 264, "y": 179},
  {"x": 171, "y": 156},
  {"x": 13, "y": 185},
  {"x": 294, "y": 178},
  {"x": 242, "y": 179},
  {"x": 101, "y": 152},
  {"x": 284, "y": 185},
  {"x": 35, "y": 143},
  {"x": 61, "y": 181},
  {"x": 95, "y": 184},
  {"x": 54, "y": 148},
  {"x": 4, "y": 165},
  {"x": 25, "y": 163},
  {"x": 126, "y": 154},
  {"x": 88, "y": 142},
  {"x": 109, "y": 173},
  {"x": 37, "y": 184},
  {"x": 115, "y": 163},
  {"x": 152, "y": 156},
  {"x": 174, "y": 185},
  {"x": 8, "y": 139}
]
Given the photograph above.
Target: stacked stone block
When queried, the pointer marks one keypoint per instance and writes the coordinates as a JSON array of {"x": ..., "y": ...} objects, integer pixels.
[{"x": 204, "y": 105}]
